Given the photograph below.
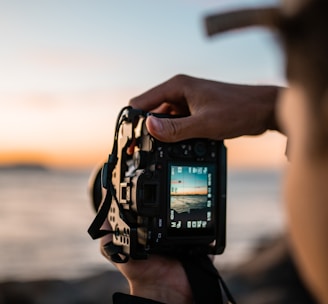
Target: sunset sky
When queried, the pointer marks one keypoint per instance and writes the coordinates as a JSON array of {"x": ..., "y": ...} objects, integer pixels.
[
  {"x": 189, "y": 180},
  {"x": 68, "y": 66}
]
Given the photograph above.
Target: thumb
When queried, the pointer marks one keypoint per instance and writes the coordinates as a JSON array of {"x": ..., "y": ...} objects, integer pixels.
[{"x": 170, "y": 129}]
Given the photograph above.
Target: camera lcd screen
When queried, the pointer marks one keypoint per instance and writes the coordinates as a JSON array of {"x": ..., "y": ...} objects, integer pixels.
[{"x": 191, "y": 200}]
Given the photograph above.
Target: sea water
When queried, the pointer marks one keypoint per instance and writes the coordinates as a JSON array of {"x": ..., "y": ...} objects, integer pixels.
[{"x": 45, "y": 214}]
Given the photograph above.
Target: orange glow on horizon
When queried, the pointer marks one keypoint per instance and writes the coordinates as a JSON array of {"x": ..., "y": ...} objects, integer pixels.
[
  {"x": 72, "y": 160},
  {"x": 22, "y": 157},
  {"x": 257, "y": 152},
  {"x": 266, "y": 151}
]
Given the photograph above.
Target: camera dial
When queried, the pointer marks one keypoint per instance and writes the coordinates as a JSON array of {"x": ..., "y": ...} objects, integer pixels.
[{"x": 200, "y": 148}]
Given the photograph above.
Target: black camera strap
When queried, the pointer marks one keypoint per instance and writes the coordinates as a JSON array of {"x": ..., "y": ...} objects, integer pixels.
[
  {"x": 95, "y": 230},
  {"x": 205, "y": 280}
]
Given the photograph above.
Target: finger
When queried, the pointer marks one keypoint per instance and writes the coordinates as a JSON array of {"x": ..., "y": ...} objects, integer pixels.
[
  {"x": 164, "y": 108},
  {"x": 174, "y": 129},
  {"x": 171, "y": 91}
]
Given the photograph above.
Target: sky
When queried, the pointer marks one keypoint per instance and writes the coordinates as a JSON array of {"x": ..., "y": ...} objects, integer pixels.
[
  {"x": 67, "y": 67},
  {"x": 189, "y": 180}
]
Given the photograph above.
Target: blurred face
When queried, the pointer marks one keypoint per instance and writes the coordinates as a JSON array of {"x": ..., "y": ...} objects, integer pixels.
[
  {"x": 293, "y": 116},
  {"x": 292, "y": 6},
  {"x": 305, "y": 192}
]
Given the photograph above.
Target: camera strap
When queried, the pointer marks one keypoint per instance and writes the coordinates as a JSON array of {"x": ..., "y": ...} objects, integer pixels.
[
  {"x": 205, "y": 280},
  {"x": 95, "y": 230}
]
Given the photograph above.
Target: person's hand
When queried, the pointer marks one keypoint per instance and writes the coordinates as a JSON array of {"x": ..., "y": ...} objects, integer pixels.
[
  {"x": 214, "y": 110},
  {"x": 158, "y": 278}
]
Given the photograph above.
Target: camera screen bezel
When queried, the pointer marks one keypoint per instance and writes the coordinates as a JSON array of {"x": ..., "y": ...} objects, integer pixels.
[{"x": 193, "y": 232}]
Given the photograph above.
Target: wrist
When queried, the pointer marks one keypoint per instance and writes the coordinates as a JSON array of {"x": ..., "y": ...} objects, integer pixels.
[
  {"x": 273, "y": 121},
  {"x": 158, "y": 292}
]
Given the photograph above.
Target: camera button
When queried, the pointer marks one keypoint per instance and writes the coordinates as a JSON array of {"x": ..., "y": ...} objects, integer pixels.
[{"x": 160, "y": 223}]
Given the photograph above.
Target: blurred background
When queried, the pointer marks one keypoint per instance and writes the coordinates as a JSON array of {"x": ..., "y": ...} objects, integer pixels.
[{"x": 67, "y": 68}]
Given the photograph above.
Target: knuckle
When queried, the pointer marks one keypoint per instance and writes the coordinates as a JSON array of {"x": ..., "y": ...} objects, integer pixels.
[{"x": 180, "y": 79}]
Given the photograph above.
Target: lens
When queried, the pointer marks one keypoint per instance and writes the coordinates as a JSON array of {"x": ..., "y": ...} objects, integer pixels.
[{"x": 95, "y": 188}]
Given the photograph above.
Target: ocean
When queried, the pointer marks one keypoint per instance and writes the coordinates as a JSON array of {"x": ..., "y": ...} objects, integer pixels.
[{"x": 45, "y": 214}]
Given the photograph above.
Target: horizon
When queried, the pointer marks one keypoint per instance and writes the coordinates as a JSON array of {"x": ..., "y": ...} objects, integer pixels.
[{"x": 257, "y": 155}]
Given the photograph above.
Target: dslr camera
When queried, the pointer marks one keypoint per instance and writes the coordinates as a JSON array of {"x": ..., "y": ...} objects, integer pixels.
[{"x": 162, "y": 198}]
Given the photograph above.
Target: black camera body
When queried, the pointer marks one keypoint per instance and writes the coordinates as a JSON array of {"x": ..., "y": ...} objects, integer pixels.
[{"x": 168, "y": 198}]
